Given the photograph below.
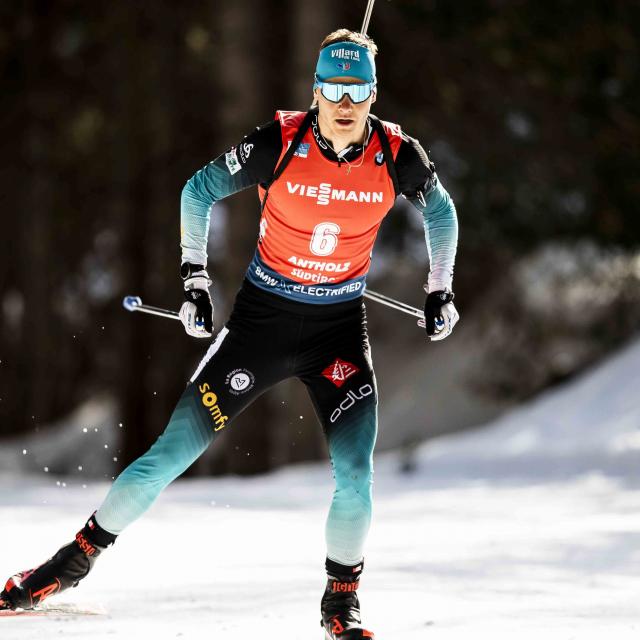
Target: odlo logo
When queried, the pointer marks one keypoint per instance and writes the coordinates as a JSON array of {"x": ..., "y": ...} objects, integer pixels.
[
  {"x": 210, "y": 401},
  {"x": 352, "y": 397}
]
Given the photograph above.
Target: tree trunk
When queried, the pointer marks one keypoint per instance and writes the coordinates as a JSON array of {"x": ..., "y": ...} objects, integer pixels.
[
  {"x": 299, "y": 436},
  {"x": 243, "y": 102}
]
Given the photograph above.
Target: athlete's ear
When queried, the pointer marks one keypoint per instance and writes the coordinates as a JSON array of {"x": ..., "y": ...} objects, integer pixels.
[
  {"x": 314, "y": 104},
  {"x": 374, "y": 95}
]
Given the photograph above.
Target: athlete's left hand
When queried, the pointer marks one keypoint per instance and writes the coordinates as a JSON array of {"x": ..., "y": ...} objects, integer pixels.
[{"x": 440, "y": 314}]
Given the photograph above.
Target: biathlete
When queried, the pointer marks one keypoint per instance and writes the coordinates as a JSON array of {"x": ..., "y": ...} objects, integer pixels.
[{"x": 326, "y": 180}]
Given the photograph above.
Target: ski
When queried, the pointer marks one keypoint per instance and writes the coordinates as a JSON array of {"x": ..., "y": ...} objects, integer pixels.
[
  {"x": 348, "y": 634},
  {"x": 60, "y": 609},
  {"x": 364, "y": 636}
]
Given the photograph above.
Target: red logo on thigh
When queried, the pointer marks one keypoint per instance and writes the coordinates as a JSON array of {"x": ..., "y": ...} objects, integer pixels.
[{"x": 339, "y": 372}]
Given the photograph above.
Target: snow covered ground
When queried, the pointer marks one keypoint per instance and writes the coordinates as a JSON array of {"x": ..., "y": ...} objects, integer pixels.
[{"x": 527, "y": 528}]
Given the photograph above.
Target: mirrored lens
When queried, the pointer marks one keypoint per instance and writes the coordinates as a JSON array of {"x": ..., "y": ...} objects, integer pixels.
[{"x": 335, "y": 92}]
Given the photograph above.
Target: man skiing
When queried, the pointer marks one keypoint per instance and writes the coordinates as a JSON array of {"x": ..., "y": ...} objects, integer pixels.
[{"x": 326, "y": 179}]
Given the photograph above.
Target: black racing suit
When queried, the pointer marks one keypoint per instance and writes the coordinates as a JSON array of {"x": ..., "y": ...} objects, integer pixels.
[{"x": 267, "y": 339}]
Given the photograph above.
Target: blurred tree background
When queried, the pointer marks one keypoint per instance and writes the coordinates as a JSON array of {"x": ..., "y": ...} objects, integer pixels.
[{"x": 530, "y": 110}]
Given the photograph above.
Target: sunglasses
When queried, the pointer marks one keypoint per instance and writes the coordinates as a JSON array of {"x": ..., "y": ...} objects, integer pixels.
[{"x": 335, "y": 91}]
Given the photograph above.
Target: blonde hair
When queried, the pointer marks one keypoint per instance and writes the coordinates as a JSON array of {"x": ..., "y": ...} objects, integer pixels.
[{"x": 346, "y": 35}]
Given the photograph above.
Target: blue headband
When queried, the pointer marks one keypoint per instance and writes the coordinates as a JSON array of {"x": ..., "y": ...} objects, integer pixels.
[{"x": 346, "y": 59}]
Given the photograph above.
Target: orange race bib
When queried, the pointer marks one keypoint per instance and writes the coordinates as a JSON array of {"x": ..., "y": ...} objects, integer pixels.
[{"x": 321, "y": 219}]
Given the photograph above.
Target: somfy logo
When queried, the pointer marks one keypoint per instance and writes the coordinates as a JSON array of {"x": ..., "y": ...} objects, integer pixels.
[
  {"x": 352, "y": 397},
  {"x": 210, "y": 400}
]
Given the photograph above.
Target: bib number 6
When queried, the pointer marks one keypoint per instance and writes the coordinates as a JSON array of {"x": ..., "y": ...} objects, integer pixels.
[{"x": 324, "y": 238}]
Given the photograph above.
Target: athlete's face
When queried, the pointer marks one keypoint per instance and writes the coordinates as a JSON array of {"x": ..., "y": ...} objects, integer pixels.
[{"x": 344, "y": 119}]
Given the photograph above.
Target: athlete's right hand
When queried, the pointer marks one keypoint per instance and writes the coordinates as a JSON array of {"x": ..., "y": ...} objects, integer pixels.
[{"x": 196, "y": 313}]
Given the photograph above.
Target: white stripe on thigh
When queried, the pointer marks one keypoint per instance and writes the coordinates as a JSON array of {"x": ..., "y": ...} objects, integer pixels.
[{"x": 211, "y": 352}]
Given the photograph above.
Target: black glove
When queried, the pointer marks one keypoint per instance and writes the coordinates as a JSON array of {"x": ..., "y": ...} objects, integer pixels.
[
  {"x": 197, "y": 312},
  {"x": 439, "y": 321}
]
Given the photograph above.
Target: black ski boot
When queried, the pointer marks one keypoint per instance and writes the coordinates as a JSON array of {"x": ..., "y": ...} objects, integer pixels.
[
  {"x": 340, "y": 606},
  {"x": 65, "y": 569}
]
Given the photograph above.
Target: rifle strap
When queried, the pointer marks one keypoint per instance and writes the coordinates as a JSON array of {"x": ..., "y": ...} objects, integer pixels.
[
  {"x": 386, "y": 150},
  {"x": 282, "y": 165}
]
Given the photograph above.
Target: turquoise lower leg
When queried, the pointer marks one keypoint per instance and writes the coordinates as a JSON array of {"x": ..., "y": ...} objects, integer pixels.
[
  {"x": 186, "y": 437},
  {"x": 351, "y": 450}
]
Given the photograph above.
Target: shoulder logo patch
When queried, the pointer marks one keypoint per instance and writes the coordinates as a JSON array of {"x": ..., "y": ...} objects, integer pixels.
[{"x": 231, "y": 160}]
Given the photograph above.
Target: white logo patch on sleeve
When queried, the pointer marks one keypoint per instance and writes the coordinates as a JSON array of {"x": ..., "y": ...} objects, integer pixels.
[{"x": 231, "y": 159}]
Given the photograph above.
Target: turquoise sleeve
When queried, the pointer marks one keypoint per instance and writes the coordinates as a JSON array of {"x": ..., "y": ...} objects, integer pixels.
[
  {"x": 441, "y": 233},
  {"x": 208, "y": 186}
]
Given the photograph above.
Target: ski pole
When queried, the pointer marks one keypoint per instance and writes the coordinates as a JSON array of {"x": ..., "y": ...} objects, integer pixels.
[
  {"x": 394, "y": 304},
  {"x": 367, "y": 17},
  {"x": 134, "y": 303}
]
